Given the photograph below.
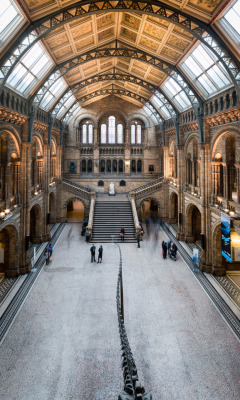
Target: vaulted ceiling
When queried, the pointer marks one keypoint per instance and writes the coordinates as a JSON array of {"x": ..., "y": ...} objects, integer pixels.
[{"x": 151, "y": 34}]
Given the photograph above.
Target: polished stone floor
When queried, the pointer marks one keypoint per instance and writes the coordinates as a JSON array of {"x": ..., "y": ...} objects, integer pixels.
[{"x": 65, "y": 344}]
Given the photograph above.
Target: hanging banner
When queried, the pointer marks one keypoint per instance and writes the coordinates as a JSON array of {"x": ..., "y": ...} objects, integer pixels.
[{"x": 226, "y": 241}]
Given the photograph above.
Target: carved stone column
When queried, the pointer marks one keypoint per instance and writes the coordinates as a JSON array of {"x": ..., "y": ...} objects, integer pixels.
[
  {"x": 166, "y": 162},
  {"x": 181, "y": 174}
]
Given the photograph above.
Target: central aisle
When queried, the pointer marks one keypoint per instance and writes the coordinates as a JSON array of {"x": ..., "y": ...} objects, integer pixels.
[{"x": 65, "y": 343}]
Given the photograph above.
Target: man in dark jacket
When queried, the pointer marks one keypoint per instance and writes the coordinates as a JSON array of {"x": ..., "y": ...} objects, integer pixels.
[
  {"x": 93, "y": 250},
  {"x": 100, "y": 254}
]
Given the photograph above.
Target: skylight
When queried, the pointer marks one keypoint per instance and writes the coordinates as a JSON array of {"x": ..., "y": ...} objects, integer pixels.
[
  {"x": 161, "y": 107},
  {"x": 178, "y": 96},
  {"x": 10, "y": 18},
  {"x": 206, "y": 71},
  {"x": 66, "y": 105},
  {"x": 53, "y": 94},
  {"x": 233, "y": 17},
  {"x": 33, "y": 65}
]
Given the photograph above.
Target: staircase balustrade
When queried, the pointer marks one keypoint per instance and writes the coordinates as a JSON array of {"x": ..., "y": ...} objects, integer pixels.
[
  {"x": 77, "y": 189},
  {"x": 91, "y": 212},
  {"x": 149, "y": 187}
]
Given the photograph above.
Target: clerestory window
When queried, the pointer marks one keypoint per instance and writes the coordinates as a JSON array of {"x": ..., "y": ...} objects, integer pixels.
[
  {"x": 231, "y": 22},
  {"x": 87, "y": 133},
  {"x": 111, "y": 133},
  {"x": 53, "y": 94},
  {"x": 136, "y": 133}
]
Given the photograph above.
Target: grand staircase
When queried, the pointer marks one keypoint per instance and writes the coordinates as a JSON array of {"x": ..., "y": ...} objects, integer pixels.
[{"x": 110, "y": 214}]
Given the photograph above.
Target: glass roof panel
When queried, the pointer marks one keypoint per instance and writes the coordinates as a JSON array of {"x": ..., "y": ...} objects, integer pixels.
[
  {"x": 7, "y": 14},
  {"x": 202, "y": 56},
  {"x": 53, "y": 94},
  {"x": 233, "y": 17},
  {"x": 177, "y": 94}
]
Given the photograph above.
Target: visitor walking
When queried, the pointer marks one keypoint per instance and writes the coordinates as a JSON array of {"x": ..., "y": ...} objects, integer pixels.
[
  {"x": 93, "y": 250},
  {"x": 122, "y": 234},
  {"x": 164, "y": 249},
  {"x": 88, "y": 235},
  {"x": 100, "y": 254},
  {"x": 169, "y": 245},
  {"x": 50, "y": 251},
  {"x": 138, "y": 238}
]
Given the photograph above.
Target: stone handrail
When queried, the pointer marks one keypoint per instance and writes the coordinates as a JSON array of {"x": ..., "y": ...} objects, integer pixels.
[
  {"x": 91, "y": 212},
  {"x": 146, "y": 188},
  {"x": 84, "y": 192},
  {"x": 135, "y": 215}
]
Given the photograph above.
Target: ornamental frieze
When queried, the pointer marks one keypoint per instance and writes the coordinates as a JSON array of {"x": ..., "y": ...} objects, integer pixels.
[
  {"x": 11, "y": 116},
  {"x": 224, "y": 118}
]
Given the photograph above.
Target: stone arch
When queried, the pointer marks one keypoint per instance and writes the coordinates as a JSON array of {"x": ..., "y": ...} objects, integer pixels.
[
  {"x": 7, "y": 129},
  {"x": 39, "y": 140},
  {"x": 76, "y": 209},
  {"x": 193, "y": 223},
  {"x": 52, "y": 206},
  {"x": 219, "y": 134},
  {"x": 217, "y": 259},
  {"x": 36, "y": 220},
  {"x": 173, "y": 207},
  {"x": 9, "y": 248},
  {"x": 149, "y": 206}
]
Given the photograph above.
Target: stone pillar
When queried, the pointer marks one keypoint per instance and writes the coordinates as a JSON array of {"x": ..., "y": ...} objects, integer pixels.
[
  {"x": 46, "y": 182},
  {"x": 59, "y": 162},
  {"x": 166, "y": 162},
  {"x": 181, "y": 174},
  {"x": 225, "y": 181},
  {"x": 25, "y": 189},
  {"x": 237, "y": 166},
  {"x": 205, "y": 210}
]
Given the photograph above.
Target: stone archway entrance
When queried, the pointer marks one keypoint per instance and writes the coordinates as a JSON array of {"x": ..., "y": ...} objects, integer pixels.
[
  {"x": 52, "y": 207},
  {"x": 8, "y": 251},
  {"x": 149, "y": 209},
  {"x": 75, "y": 211},
  {"x": 174, "y": 208},
  {"x": 35, "y": 224},
  {"x": 217, "y": 258},
  {"x": 193, "y": 224}
]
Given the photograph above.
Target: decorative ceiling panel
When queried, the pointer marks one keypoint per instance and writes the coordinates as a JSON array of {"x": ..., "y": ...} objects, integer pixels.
[{"x": 153, "y": 35}]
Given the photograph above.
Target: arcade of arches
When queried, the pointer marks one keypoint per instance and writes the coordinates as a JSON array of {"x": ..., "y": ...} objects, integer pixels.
[{"x": 158, "y": 101}]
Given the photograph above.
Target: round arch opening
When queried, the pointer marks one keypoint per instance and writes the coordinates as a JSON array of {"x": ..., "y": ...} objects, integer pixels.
[
  {"x": 149, "y": 209},
  {"x": 174, "y": 208},
  {"x": 8, "y": 250},
  {"x": 75, "y": 211},
  {"x": 35, "y": 224}
]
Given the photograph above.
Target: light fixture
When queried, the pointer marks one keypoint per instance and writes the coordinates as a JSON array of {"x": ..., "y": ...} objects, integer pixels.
[
  {"x": 226, "y": 210},
  {"x": 35, "y": 193},
  {"x": 7, "y": 211},
  {"x": 232, "y": 213},
  {"x": 127, "y": 162},
  {"x": 2, "y": 214}
]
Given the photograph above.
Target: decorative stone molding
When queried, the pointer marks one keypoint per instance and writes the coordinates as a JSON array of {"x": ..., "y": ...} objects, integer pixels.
[
  {"x": 11, "y": 116},
  {"x": 225, "y": 117},
  {"x": 39, "y": 127},
  {"x": 191, "y": 127}
]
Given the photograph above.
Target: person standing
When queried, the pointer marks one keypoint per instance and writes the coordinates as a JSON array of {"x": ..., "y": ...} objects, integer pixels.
[
  {"x": 88, "y": 234},
  {"x": 50, "y": 251},
  {"x": 93, "y": 250},
  {"x": 122, "y": 233},
  {"x": 100, "y": 254},
  {"x": 169, "y": 245},
  {"x": 138, "y": 238},
  {"x": 164, "y": 249}
]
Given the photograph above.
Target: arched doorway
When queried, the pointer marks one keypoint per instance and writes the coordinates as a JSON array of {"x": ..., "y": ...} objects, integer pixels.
[
  {"x": 217, "y": 258},
  {"x": 52, "y": 207},
  {"x": 174, "y": 208},
  {"x": 193, "y": 221},
  {"x": 149, "y": 209},
  {"x": 35, "y": 224},
  {"x": 8, "y": 250},
  {"x": 75, "y": 211}
]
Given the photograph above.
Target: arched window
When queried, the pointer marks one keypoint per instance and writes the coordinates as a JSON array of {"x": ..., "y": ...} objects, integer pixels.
[
  {"x": 133, "y": 166},
  {"x": 87, "y": 132},
  {"x": 103, "y": 133},
  {"x": 84, "y": 134},
  {"x": 136, "y": 133},
  {"x": 90, "y": 134},
  {"x": 120, "y": 134},
  {"x": 111, "y": 130},
  {"x": 84, "y": 167},
  {"x": 133, "y": 129},
  {"x": 139, "y": 166},
  {"x": 120, "y": 166},
  {"x": 102, "y": 166},
  {"x": 139, "y": 134},
  {"x": 90, "y": 166}
]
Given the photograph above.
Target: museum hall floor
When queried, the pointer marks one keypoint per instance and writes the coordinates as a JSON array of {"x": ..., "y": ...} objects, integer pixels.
[{"x": 65, "y": 345}]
